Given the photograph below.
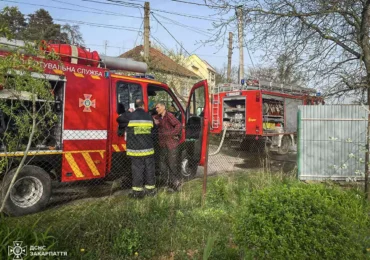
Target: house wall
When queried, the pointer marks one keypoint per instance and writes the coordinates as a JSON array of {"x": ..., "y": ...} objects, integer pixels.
[{"x": 199, "y": 67}]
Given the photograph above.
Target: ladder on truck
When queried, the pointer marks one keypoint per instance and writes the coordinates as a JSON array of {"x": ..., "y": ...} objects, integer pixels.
[
  {"x": 289, "y": 89},
  {"x": 215, "y": 108},
  {"x": 265, "y": 85}
]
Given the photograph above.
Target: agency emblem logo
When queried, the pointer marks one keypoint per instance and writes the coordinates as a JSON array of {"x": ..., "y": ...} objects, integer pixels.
[{"x": 17, "y": 250}]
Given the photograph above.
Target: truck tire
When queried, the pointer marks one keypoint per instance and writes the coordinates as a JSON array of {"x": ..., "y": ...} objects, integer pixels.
[
  {"x": 286, "y": 143},
  {"x": 30, "y": 193},
  {"x": 188, "y": 168}
]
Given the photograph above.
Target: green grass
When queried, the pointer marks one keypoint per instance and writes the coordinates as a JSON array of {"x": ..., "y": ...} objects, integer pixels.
[{"x": 169, "y": 226}]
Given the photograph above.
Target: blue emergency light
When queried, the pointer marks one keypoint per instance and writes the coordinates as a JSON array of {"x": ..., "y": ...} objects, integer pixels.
[
  {"x": 318, "y": 94},
  {"x": 242, "y": 81},
  {"x": 106, "y": 74}
]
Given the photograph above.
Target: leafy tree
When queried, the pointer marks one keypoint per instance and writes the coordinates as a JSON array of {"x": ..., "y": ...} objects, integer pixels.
[
  {"x": 42, "y": 27},
  {"x": 71, "y": 34},
  {"x": 12, "y": 19},
  {"x": 221, "y": 74},
  {"x": 330, "y": 38}
]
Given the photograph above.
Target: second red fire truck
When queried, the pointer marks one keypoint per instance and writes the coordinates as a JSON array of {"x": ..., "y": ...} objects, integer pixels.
[{"x": 260, "y": 113}]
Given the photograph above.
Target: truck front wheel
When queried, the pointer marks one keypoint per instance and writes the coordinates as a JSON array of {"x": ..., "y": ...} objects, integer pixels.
[{"x": 30, "y": 192}]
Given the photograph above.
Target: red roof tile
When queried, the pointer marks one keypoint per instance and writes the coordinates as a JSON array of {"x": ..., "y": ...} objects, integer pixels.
[{"x": 159, "y": 62}]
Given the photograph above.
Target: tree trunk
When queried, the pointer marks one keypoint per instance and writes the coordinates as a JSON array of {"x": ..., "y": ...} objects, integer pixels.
[{"x": 367, "y": 148}]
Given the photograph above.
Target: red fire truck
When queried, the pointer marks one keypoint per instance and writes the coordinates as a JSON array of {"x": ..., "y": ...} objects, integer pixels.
[
  {"x": 87, "y": 96},
  {"x": 259, "y": 114}
]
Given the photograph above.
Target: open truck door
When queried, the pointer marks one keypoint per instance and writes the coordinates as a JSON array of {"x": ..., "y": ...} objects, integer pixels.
[{"x": 196, "y": 129}]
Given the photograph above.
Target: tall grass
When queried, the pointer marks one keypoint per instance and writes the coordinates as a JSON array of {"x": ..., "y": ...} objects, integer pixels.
[{"x": 169, "y": 226}]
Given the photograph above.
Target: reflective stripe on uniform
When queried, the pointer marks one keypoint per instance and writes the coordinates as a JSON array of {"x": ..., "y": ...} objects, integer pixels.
[
  {"x": 137, "y": 189},
  {"x": 139, "y": 130},
  {"x": 142, "y": 123},
  {"x": 144, "y": 152},
  {"x": 149, "y": 187}
]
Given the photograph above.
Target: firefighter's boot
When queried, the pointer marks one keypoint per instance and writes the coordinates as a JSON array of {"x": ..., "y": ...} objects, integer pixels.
[
  {"x": 151, "y": 192},
  {"x": 136, "y": 194}
]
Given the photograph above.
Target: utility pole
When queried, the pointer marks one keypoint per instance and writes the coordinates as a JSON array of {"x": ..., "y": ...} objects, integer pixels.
[
  {"x": 229, "y": 56},
  {"x": 146, "y": 30},
  {"x": 239, "y": 13},
  {"x": 105, "y": 47}
]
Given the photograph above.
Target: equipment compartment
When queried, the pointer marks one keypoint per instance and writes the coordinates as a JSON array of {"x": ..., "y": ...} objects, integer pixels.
[{"x": 234, "y": 112}]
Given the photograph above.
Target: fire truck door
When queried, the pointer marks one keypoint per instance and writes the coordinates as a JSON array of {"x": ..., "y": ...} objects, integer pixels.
[{"x": 197, "y": 121}]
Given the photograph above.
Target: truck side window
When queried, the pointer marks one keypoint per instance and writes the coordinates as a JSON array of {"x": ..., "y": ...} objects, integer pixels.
[
  {"x": 197, "y": 103},
  {"x": 127, "y": 93},
  {"x": 157, "y": 94}
]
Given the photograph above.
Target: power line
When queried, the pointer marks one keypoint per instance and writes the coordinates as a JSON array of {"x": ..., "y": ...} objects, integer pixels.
[
  {"x": 90, "y": 8},
  {"x": 187, "y": 15},
  {"x": 109, "y": 26},
  {"x": 131, "y": 5},
  {"x": 161, "y": 44},
  {"x": 175, "y": 39},
  {"x": 249, "y": 54},
  {"x": 112, "y": 3},
  {"x": 170, "y": 34},
  {"x": 125, "y": 3},
  {"x": 191, "y": 28},
  {"x": 139, "y": 32},
  {"x": 199, "y": 4}
]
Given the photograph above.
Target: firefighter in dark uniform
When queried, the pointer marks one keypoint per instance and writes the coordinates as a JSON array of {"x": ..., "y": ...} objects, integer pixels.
[{"x": 141, "y": 150}]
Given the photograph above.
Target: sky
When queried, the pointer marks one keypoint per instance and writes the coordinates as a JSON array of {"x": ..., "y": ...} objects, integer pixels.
[{"x": 92, "y": 17}]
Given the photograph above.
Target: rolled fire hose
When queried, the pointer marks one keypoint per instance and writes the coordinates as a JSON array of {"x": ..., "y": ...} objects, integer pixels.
[{"x": 221, "y": 143}]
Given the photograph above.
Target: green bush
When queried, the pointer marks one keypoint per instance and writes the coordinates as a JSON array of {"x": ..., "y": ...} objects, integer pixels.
[{"x": 300, "y": 221}]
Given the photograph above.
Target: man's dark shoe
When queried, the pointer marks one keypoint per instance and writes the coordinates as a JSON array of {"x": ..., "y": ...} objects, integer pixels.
[
  {"x": 136, "y": 194},
  {"x": 151, "y": 192}
]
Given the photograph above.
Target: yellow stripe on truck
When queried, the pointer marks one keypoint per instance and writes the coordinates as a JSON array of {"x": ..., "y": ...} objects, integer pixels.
[
  {"x": 95, "y": 77},
  {"x": 91, "y": 164},
  {"x": 116, "y": 148},
  {"x": 72, "y": 163},
  {"x": 59, "y": 72},
  {"x": 79, "y": 75}
]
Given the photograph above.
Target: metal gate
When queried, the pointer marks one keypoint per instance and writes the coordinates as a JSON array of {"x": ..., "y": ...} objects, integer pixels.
[{"x": 331, "y": 142}]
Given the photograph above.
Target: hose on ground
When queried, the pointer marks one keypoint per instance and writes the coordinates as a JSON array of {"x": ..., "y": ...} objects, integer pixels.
[{"x": 221, "y": 143}]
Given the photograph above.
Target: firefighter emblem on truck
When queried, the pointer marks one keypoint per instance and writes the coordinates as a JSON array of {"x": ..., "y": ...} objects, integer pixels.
[{"x": 87, "y": 103}]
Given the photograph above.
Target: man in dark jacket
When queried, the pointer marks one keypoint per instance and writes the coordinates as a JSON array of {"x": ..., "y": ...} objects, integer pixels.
[{"x": 141, "y": 150}]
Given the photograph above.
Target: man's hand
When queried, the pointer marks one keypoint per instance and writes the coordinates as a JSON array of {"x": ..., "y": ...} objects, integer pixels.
[
  {"x": 131, "y": 109},
  {"x": 156, "y": 121}
]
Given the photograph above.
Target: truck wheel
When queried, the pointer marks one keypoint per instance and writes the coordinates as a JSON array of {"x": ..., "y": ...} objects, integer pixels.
[
  {"x": 286, "y": 143},
  {"x": 188, "y": 168},
  {"x": 30, "y": 193}
]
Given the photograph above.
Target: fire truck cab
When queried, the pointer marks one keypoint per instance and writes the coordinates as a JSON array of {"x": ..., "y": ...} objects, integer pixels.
[
  {"x": 259, "y": 114},
  {"x": 84, "y": 144}
]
